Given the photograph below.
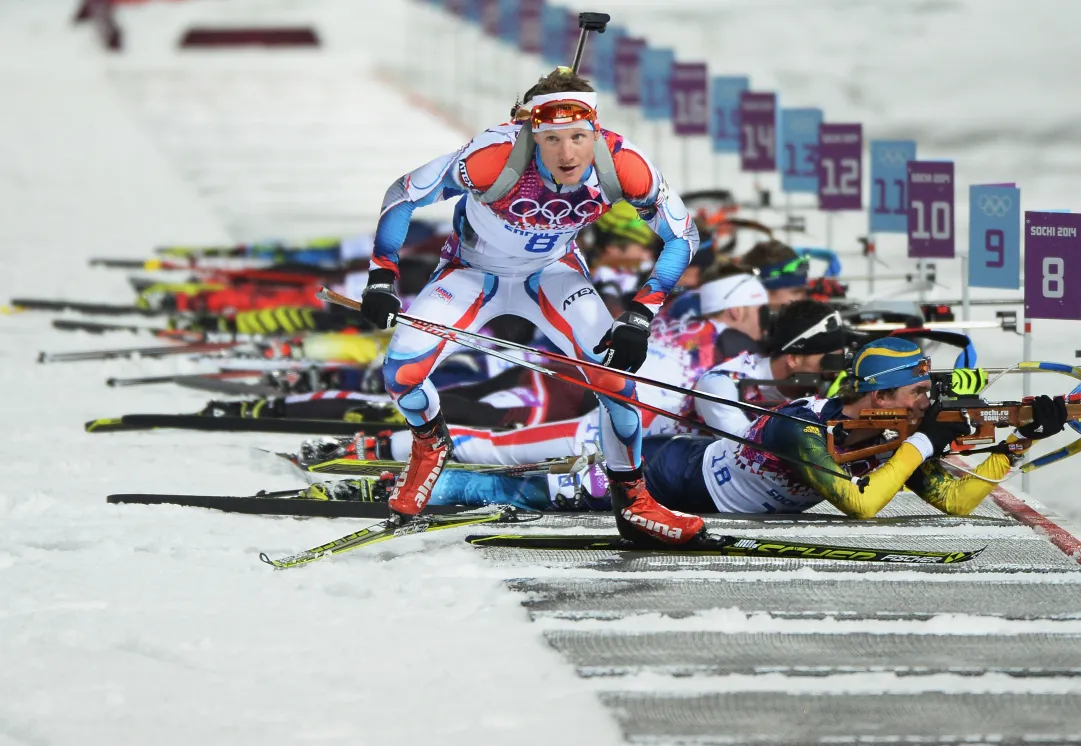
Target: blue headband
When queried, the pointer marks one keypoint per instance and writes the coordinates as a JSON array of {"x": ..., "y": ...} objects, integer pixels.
[{"x": 789, "y": 274}]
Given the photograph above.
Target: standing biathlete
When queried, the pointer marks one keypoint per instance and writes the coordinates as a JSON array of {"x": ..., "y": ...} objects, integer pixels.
[{"x": 526, "y": 190}]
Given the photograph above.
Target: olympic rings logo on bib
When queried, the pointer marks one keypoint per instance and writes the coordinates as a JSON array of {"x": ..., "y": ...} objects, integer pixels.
[
  {"x": 677, "y": 327},
  {"x": 555, "y": 212}
]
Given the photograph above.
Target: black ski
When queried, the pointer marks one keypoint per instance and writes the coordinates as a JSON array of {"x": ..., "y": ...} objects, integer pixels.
[
  {"x": 283, "y": 502},
  {"x": 728, "y": 546},
  {"x": 292, "y": 503},
  {"x": 104, "y": 309},
  {"x": 130, "y": 422},
  {"x": 98, "y": 327}
]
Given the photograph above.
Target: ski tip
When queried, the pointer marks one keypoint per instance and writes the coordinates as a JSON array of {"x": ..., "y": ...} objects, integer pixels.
[
  {"x": 103, "y": 424},
  {"x": 482, "y": 539},
  {"x": 263, "y": 558}
]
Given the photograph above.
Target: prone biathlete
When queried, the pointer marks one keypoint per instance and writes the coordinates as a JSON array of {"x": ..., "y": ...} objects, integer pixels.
[
  {"x": 707, "y": 474},
  {"x": 731, "y": 317},
  {"x": 801, "y": 336}
]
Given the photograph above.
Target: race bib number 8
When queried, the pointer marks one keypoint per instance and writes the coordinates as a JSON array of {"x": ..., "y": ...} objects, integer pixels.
[{"x": 540, "y": 243}]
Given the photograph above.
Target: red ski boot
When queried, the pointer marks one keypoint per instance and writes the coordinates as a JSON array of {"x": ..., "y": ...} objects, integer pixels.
[
  {"x": 643, "y": 520},
  {"x": 431, "y": 447}
]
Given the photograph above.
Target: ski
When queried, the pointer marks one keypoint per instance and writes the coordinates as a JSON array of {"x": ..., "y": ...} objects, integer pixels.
[
  {"x": 148, "y": 265},
  {"x": 283, "y": 503},
  {"x": 97, "y": 327},
  {"x": 728, "y": 546},
  {"x": 134, "y": 422},
  {"x": 216, "y": 384},
  {"x": 352, "y": 467},
  {"x": 104, "y": 309},
  {"x": 293, "y": 503},
  {"x": 146, "y": 380},
  {"x": 359, "y": 467},
  {"x": 386, "y": 530},
  {"x": 193, "y": 348}
]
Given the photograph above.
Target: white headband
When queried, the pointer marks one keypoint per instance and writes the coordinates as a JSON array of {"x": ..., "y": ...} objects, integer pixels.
[
  {"x": 731, "y": 292},
  {"x": 586, "y": 98}
]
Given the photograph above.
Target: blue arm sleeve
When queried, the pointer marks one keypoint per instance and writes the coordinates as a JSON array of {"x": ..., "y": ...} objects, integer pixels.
[
  {"x": 426, "y": 185},
  {"x": 670, "y": 220}
]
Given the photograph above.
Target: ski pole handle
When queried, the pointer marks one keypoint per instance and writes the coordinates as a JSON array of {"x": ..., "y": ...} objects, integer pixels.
[{"x": 329, "y": 296}]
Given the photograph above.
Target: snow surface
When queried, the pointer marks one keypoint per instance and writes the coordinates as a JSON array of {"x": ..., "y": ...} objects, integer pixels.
[{"x": 158, "y": 624}]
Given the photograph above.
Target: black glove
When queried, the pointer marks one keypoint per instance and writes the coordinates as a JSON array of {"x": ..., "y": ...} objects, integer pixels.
[
  {"x": 627, "y": 340},
  {"x": 941, "y": 434},
  {"x": 379, "y": 303},
  {"x": 1048, "y": 418}
]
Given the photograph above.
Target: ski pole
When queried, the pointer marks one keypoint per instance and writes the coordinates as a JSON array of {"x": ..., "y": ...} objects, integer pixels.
[
  {"x": 466, "y": 340},
  {"x": 449, "y": 335},
  {"x": 440, "y": 330}
]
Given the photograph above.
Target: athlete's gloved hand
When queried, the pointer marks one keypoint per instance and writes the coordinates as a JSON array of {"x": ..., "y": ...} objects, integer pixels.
[
  {"x": 941, "y": 434},
  {"x": 1049, "y": 416},
  {"x": 379, "y": 303},
  {"x": 624, "y": 345}
]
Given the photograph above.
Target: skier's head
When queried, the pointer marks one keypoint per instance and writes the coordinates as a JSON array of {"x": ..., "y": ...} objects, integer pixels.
[
  {"x": 889, "y": 373},
  {"x": 734, "y": 297},
  {"x": 806, "y": 336},
  {"x": 561, "y": 110},
  {"x": 622, "y": 239},
  {"x": 782, "y": 271}
]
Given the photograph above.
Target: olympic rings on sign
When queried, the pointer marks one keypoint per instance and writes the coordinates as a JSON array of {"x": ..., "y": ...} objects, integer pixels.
[
  {"x": 891, "y": 157},
  {"x": 994, "y": 205}
]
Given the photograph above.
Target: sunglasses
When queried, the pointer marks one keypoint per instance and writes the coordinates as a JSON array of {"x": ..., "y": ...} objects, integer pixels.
[
  {"x": 831, "y": 323},
  {"x": 562, "y": 112}
]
